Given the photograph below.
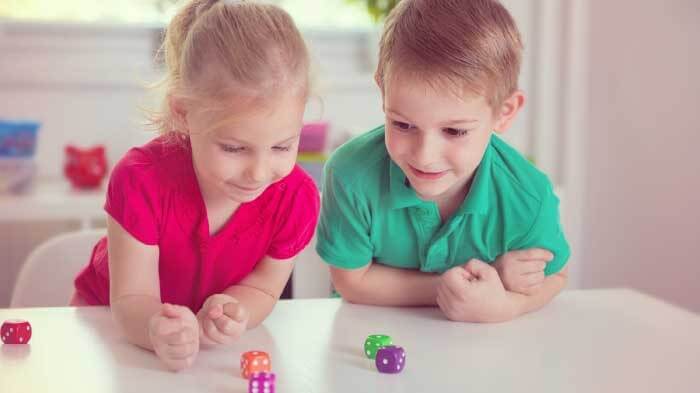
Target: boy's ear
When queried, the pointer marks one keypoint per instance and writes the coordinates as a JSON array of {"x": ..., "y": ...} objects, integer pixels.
[
  {"x": 509, "y": 109},
  {"x": 178, "y": 110},
  {"x": 380, "y": 85}
]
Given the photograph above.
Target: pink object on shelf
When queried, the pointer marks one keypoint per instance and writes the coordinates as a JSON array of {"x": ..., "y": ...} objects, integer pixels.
[{"x": 313, "y": 137}]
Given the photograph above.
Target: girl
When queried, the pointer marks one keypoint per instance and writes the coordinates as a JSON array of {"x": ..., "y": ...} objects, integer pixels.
[{"x": 204, "y": 221}]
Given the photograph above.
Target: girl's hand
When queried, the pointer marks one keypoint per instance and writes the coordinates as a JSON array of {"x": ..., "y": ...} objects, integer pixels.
[
  {"x": 174, "y": 334},
  {"x": 522, "y": 271},
  {"x": 474, "y": 293},
  {"x": 222, "y": 320}
]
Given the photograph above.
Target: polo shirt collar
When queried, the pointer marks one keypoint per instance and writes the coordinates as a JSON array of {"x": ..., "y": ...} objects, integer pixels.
[
  {"x": 478, "y": 201},
  {"x": 401, "y": 195}
]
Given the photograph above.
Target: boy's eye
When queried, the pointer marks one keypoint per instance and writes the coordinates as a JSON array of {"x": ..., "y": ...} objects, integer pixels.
[
  {"x": 231, "y": 148},
  {"x": 456, "y": 131},
  {"x": 281, "y": 148},
  {"x": 401, "y": 125}
]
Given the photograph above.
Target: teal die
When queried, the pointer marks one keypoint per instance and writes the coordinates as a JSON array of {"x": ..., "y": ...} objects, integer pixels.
[{"x": 374, "y": 342}]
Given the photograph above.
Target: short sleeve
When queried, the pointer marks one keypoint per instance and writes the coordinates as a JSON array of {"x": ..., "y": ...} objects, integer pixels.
[
  {"x": 132, "y": 196},
  {"x": 343, "y": 235},
  {"x": 546, "y": 232},
  {"x": 298, "y": 223}
]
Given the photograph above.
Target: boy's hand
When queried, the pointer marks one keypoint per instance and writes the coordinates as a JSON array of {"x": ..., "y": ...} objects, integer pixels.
[
  {"x": 522, "y": 271},
  {"x": 222, "y": 320},
  {"x": 474, "y": 293},
  {"x": 174, "y": 334}
]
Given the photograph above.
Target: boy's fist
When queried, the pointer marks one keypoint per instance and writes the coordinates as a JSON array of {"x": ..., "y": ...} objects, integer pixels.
[
  {"x": 473, "y": 293},
  {"x": 522, "y": 271}
]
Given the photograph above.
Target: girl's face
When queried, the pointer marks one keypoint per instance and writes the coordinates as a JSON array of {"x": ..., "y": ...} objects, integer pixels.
[{"x": 238, "y": 158}]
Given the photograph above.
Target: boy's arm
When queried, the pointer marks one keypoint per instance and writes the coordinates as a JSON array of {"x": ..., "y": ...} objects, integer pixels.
[
  {"x": 381, "y": 285},
  {"x": 259, "y": 291},
  {"x": 552, "y": 285}
]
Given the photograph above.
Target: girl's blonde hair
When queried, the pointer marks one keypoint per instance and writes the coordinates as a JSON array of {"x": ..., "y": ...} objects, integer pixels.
[{"x": 214, "y": 49}]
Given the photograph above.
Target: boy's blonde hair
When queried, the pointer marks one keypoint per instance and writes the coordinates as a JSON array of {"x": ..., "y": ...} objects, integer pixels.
[
  {"x": 214, "y": 49},
  {"x": 458, "y": 44}
]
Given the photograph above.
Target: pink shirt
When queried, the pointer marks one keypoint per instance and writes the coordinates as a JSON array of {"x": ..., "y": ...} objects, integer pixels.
[{"x": 154, "y": 195}]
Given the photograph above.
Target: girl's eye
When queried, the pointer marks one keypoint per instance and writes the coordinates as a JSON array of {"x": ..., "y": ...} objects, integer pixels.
[
  {"x": 230, "y": 148},
  {"x": 281, "y": 148},
  {"x": 456, "y": 131},
  {"x": 401, "y": 125}
]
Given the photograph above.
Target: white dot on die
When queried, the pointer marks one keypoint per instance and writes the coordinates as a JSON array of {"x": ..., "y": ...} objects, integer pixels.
[
  {"x": 266, "y": 384},
  {"x": 369, "y": 352},
  {"x": 10, "y": 330},
  {"x": 398, "y": 367},
  {"x": 266, "y": 390},
  {"x": 21, "y": 339},
  {"x": 28, "y": 328},
  {"x": 255, "y": 384},
  {"x": 385, "y": 361},
  {"x": 255, "y": 362},
  {"x": 264, "y": 361}
]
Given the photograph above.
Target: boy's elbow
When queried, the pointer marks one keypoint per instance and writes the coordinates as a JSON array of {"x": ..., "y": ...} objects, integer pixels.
[
  {"x": 347, "y": 283},
  {"x": 343, "y": 288},
  {"x": 563, "y": 276}
]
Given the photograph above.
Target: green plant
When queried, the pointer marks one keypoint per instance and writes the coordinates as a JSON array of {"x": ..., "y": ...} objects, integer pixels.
[{"x": 378, "y": 9}]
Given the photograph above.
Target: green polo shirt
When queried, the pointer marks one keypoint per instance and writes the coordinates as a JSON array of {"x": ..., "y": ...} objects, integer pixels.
[{"x": 370, "y": 214}]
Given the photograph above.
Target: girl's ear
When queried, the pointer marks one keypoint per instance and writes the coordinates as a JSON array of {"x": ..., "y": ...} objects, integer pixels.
[
  {"x": 509, "y": 109},
  {"x": 178, "y": 112}
]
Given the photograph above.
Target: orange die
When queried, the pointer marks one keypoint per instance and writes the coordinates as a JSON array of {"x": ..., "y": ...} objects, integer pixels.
[{"x": 254, "y": 362}]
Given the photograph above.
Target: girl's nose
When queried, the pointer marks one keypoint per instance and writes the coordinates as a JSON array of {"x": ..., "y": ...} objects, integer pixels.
[{"x": 258, "y": 171}]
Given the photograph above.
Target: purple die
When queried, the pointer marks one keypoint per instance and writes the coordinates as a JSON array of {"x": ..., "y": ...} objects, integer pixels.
[
  {"x": 261, "y": 383},
  {"x": 390, "y": 359}
]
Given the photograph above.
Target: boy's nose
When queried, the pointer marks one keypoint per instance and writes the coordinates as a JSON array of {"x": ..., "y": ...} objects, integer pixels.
[{"x": 425, "y": 149}]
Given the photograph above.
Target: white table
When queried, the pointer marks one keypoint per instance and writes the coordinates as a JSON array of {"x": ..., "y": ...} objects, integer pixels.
[{"x": 585, "y": 341}]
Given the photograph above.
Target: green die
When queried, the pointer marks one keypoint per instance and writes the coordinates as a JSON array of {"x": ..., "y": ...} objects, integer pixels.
[{"x": 374, "y": 342}]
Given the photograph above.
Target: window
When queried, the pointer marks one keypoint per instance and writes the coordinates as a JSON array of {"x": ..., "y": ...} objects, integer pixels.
[{"x": 308, "y": 14}]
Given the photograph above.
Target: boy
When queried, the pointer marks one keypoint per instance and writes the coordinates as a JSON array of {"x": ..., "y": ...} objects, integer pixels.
[{"x": 433, "y": 208}]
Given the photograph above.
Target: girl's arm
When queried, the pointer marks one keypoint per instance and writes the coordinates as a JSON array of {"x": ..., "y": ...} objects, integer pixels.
[
  {"x": 259, "y": 291},
  {"x": 134, "y": 284},
  {"x": 382, "y": 285}
]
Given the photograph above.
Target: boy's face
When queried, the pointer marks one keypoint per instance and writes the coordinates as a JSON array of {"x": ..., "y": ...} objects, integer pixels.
[{"x": 437, "y": 138}]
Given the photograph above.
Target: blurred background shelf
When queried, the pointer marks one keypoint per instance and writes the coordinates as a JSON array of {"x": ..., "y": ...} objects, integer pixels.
[{"x": 54, "y": 200}]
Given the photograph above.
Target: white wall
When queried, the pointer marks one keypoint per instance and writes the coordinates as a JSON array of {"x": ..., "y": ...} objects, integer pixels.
[{"x": 642, "y": 221}]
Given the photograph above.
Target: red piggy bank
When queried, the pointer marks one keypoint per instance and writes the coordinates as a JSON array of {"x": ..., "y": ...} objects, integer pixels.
[{"x": 85, "y": 168}]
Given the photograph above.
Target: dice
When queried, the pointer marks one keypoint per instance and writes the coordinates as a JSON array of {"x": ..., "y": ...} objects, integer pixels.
[
  {"x": 254, "y": 362},
  {"x": 262, "y": 382},
  {"x": 375, "y": 341},
  {"x": 16, "y": 331},
  {"x": 390, "y": 359}
]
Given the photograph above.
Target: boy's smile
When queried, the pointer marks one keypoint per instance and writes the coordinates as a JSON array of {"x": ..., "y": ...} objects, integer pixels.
[{"x": 428, "y": 175}]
